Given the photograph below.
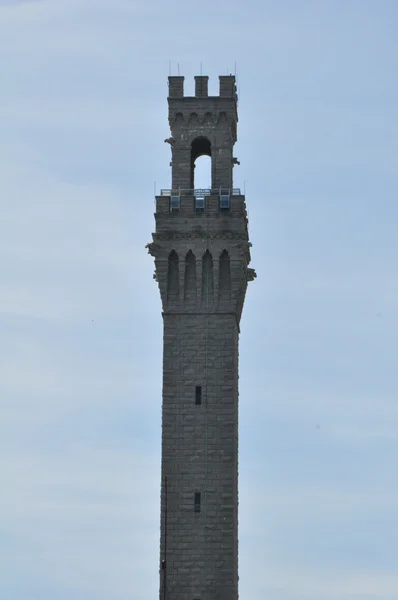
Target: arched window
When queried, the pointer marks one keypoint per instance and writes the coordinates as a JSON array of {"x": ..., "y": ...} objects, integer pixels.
[
  {"x": 207, "y": 279},
  {"x": 173, "y": 279},
  {"x": 201, "y": 148},
  {"x": 190, "y": 278},
  {"x": 225, "y": 277}
]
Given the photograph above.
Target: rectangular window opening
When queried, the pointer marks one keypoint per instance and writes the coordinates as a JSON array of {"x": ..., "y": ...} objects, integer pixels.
[
  {"x": 197, "y": 502},
  {"x": 199, "y": 203},
  {"x": 174, "y": 203},
  {"x": 224, "y": 202},
  {"x": 198, "y": 395}
]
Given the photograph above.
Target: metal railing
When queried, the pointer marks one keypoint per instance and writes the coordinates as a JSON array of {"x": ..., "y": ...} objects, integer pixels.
[{"x": 201, "y": 193}]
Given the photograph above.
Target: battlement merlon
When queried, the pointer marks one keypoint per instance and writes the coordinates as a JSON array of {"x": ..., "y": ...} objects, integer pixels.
[
  {"x": 226, "y": 101},
  {"x": 227, "y": 87}
]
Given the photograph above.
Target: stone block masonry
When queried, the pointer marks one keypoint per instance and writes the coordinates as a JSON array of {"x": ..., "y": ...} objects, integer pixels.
[{"x": 201, "y": 266}]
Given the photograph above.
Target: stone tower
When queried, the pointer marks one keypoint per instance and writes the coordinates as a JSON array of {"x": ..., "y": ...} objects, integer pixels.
[{"x": 202, "y": 252}]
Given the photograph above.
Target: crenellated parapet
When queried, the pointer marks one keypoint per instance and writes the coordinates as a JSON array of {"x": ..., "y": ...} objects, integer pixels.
[
  {"x": 186, "y": 235},
  {"x": 202, "y": 125}
]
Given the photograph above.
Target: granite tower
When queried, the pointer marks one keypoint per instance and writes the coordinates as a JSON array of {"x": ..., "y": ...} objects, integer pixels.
[{"x": 202, "y": 252}]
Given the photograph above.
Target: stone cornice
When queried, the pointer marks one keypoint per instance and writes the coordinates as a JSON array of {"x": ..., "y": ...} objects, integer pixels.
[{"x": 165, "y": 236}]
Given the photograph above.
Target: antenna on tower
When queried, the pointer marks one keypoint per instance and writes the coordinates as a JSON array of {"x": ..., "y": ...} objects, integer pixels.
[
  {"x": 178, "y": 67},
  {"x": 169, "y": 68},
  {"x": 236, "y": 84},
  {"x": 235, "y": 69},
  {"x": 201, "y": 68}
]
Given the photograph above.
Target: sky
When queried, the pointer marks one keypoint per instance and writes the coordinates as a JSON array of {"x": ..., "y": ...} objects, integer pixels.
[{"x": 83, "y": 118}]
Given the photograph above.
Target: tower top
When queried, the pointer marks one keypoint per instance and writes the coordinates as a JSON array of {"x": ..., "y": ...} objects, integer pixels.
[
  {"x": 202, "y": 125},
  {"x": 227, "y": 87}
]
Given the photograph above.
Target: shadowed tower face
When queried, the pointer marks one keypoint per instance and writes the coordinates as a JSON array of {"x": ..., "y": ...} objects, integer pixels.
[{"x": 202, "y": 252}]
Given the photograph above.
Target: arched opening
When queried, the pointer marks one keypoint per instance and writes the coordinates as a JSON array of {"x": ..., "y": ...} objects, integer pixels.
[
  {"x": 200, "y": 163},
  {"x": 225, "y": 276},
  {"x": 202, "y": 173},
  {"x": 190, "y": 278},
  {"x": 173, "y": 280},
  {"x": 207, "y": 279}
]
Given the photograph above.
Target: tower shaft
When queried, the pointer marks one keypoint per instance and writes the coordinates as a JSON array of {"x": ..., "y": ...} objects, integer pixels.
[{"x": 201, "y": 251}]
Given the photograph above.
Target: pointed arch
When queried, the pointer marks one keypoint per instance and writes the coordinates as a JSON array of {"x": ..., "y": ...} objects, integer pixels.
[
  {"x": 225, "y": 276},
  {"x": 233, "y": 130},
  {"x": 179, "y": 119},
  {"x": 193, "y": 118},
  {"x": 207, "y": 279},
  {"x": 222, "y": 118},
  {"x": 173, "y": 280},
  {"x": 190, "y": 278}
]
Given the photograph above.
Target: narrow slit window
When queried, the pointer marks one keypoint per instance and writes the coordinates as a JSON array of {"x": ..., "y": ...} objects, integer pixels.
[
  {"x": 197, "y": 502},
  {"x": 198, "y": 395}
]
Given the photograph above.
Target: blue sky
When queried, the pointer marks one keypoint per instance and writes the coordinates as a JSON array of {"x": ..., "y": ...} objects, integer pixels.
[{"x": 83, "y": 116}]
